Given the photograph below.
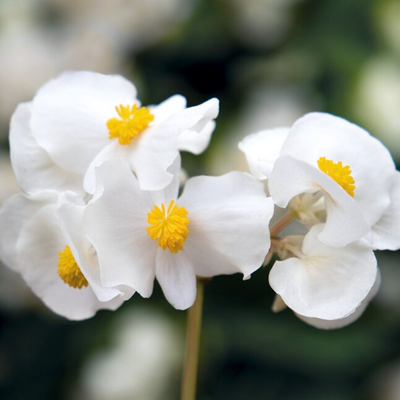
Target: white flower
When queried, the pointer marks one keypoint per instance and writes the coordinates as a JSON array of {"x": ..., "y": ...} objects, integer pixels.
[
  {"x": 44, "y": 243},
  {"x": 325, "y": 282},
  {"x": 82, "y": 119},
  {"x": 218, "y": 226},
  {"x": 327, "y": 154}
]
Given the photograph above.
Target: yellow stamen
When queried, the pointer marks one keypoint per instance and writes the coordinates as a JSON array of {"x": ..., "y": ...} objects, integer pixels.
[
  {"x": 168, "y": 226},
  {"x": 339, "y": 173},
  {"x": 69, "y": 270},
  {"x": 133, "y": 121}
]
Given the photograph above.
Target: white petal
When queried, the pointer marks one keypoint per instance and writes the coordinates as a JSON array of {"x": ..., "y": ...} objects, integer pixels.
[
  {"x": 265, "y": 147},
  {"x": 194, "y": 141},
  {"x": 340, "y": 323},
  {"x": 69, "y": 115},
  {"x": 116, "y": 225},
  {"x": 14, "y": 213},
  {"x": 329, "y": 283},
  {"x": 386, "y": 232},
  {"x": 112, "y": 150},
  {"x": 176, "y": 276},
  {"x": 171, "y": 191},
  {"x": 228, "y": 228},
  {"x": 168, "y": 107},
  {"x": 38, "y": 246},
  {"x": 345, "y": 222},
  {"x": 195, "y": 118},
  {"x": 71, "y": 224},
  {"x": 323, "y": 135},
  {"x": 152, "y": 153},
  {"x": 33, "y": 167}
]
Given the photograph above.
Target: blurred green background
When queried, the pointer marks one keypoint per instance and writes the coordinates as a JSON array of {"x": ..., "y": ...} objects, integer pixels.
[{"x": 269, "y": 62}]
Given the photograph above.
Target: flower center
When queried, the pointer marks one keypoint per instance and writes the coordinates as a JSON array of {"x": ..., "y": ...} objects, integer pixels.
[
  {"x": 168, "y": 226},
  {"x": 69, "y": 270},
  {"x": 132, "y": 121},
  {"x": 339, "y": 173}
]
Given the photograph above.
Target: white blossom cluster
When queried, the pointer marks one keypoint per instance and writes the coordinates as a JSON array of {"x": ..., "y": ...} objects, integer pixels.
[
  {"x": 101, "y": 215},
  {"x": 342, "y": 185}
]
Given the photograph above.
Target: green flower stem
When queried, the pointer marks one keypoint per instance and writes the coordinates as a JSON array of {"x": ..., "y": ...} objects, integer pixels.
[{"x": 189, "y": 378}]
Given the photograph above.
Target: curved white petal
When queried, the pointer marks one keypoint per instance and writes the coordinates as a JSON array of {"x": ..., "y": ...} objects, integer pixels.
[
  {"x": 176, "y": 276},
  {"x": 264, "y": 147},
  {"x": 167, "y": 108},
  {"x": 111, "y": 151},
  {"x": 69, "y": 115},
  {"x": 40, "y": 242},
  {"x": 34, "y": 169},
  {"x": 228, "y": 229},
  {"x": 84, "y": 253},
  {"x": 171, "y": 191},
  {"x": 323, "y": 135},
  {"x": 345, "y": 222},
  {"x": 196, "y": 142},
  {"x": 329, "y": 283},
  {"x": 14, "y": 213},
  {"x": 152, "y": 153},
  {"x": 195, "y": 118},
  {"x": 386, "y": 232},
  {"x": 116, "y": 224},
  {"x": 341, "y": 323}
]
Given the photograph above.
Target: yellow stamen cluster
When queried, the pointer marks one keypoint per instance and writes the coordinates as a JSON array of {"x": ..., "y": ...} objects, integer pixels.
[
  {"x": 69, "y": 270},
  {"x": 168, "y": 226},
  {"x": 133, "y": 121},
  {"x": 339, "y": 173}
]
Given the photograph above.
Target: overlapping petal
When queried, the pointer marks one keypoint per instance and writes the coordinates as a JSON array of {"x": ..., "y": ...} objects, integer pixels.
[
  {"x": 116, "y": 225},
  {"x": 229, "y": 218},
  {"x": 328, "y": 283},
  {"x": 323, "y": 135},
  {"x": 34, "y": 169},
  {"x": 345, "y": 223},
  {"x": 263, "y": 147},
  {"x": 32, "y": 246},
  {"x": 69, "y": 116}
]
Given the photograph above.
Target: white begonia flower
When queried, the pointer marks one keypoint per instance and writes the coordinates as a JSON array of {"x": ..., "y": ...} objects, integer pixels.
[
  {"x": 44, "y": 243},
  {"x": 81, "y": 119},
  {"x": 325, "y": 282},
  {"x": 218, "y": 226},
  {"x": 329, "y": 154}
]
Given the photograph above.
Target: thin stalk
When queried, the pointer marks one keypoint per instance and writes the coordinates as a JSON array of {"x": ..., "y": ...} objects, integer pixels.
[
  {"x": 189, "y": 378},
  {"x": 281, "y": 224}
]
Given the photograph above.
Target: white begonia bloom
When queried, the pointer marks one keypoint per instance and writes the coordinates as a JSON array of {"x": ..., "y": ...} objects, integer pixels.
[
  {"x": 329, "y": 154},
  {"x": 218, "y": 226},
  {"x": 326, "y": 283},
  {"x": 44, "y": 243},
  {"x": 82, "y": 119}
]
